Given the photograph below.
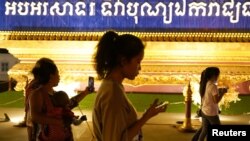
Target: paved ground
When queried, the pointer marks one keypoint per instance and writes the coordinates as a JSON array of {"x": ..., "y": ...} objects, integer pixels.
[{"x": 162, "y": 127}]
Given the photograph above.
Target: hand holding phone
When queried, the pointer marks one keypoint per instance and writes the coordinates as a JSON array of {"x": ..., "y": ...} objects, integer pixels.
[
  {"x": 222, "y": 90},
  {"x": 165, "y": 103},
  {"x": 91, "y": 86}
]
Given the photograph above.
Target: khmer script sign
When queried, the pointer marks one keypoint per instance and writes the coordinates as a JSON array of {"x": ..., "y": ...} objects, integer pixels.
[{"x": 124, "y": 15}]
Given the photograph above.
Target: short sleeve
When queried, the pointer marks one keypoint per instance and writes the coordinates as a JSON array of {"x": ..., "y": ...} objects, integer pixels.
[{"x": 214, "y": 90}]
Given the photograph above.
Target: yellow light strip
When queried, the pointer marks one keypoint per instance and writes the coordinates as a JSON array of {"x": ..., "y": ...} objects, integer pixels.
[{"x": 146, "y": 36}]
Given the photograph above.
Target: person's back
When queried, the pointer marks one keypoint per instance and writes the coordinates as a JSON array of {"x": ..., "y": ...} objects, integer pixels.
[
  {"x": 32, "y": 127},
  {"x": 111, "y": 97}
]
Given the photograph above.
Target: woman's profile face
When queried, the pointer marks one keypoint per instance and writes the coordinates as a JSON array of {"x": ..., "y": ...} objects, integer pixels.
[
  {"x": 55, "y": 78},
  {"x": 215, "y": 78},
  {"x": 131, "y": 68}
]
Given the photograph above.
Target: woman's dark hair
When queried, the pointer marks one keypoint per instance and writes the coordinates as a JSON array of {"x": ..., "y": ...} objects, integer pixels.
[
  {"x": 42, "y": 70},
  {"x": 206, "y": 75},
  {"x": 112, "y": 48}
]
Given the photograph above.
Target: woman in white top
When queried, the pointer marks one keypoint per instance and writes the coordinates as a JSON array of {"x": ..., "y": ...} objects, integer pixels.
[
  {"x": 114, "y": 117},
  {"x": 210, "y": 97}
]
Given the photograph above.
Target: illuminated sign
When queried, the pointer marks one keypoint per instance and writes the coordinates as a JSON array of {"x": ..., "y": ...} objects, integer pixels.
[{"x": 124, "y": 15}]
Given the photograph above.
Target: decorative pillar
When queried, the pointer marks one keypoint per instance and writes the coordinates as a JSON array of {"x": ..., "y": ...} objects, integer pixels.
[
  {"x": 10, "y": 84},
  {"x": 187, "y": 126}
]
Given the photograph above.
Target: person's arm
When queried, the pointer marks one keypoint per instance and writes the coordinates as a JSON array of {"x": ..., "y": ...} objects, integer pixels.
[
  {"x": 79, "y": 97},
  {"x": 76, "y": 121},
  {"x": 216, "y": 95},
  {"x": 114, "y": 126},
  {"x": 152, "y": 111},
  {"x": 37, "y": 115}
]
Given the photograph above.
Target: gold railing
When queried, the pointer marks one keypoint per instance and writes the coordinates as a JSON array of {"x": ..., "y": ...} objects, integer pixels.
[{"x": 146, "y": 36}]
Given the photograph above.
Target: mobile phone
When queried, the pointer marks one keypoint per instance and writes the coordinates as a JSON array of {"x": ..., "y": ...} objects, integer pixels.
[
  {"x": 91, "y": 84},
  {"x": 222, "y": 90},
  {"x": 163, "y": 104}
]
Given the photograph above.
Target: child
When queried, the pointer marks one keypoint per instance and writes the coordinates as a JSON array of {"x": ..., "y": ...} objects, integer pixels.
[{"x": 62, "y": 110}]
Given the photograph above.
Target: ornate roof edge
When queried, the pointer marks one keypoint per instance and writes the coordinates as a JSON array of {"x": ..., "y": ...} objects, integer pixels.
[{"x": 145, "y": 36}]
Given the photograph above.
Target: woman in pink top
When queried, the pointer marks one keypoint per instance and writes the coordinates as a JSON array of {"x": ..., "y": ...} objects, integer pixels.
[
  {"x": 210, "y": 97},
  {"x": 41, "y": 89}
]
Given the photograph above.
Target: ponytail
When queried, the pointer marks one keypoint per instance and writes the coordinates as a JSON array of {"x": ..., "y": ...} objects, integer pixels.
[
  {"x": 203, "y": 83},
  {"x": 206, "y": 75},
  {"x": 112, "y": 48},
  {"x": 105, "y": 55}
]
